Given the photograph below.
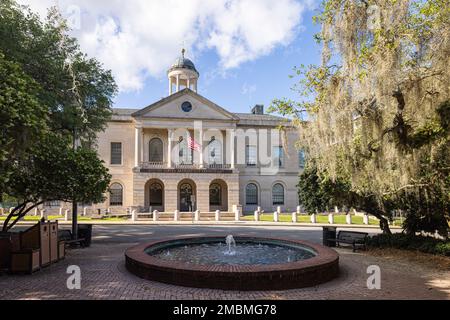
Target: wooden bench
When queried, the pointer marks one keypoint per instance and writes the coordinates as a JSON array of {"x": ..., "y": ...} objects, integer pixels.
[
  {"x": 66, "y": 236},
  {"x": 356, "y": 239}
]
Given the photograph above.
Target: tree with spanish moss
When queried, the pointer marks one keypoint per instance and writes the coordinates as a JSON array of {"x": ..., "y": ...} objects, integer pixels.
[{"x": 378, "y": 104}]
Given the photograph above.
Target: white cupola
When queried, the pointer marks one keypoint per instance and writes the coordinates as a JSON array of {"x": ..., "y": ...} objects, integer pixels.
[{"x": 182, "y": 74}]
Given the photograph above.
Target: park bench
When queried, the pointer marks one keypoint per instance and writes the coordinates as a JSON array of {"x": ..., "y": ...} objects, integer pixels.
[
  {"x": 66, "y": 236},
  {"x": 356, "y": 239}
]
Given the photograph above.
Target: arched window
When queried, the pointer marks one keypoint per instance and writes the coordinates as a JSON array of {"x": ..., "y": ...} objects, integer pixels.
[
  {"x": 215, "y": 194},
  {"x": 156, "y": 150},
  {"x": 184, "y": 152},
  {"x": 278, "y": 194},
  {"x": 116, "y": 195},
  {"x": 215, "y": 151},
  {"x": 251, "y": 194},
  {"x": 156, "y": 194}
]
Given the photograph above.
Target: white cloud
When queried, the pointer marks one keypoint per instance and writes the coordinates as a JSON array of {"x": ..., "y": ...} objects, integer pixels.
[{"x": 141, "y": 38}]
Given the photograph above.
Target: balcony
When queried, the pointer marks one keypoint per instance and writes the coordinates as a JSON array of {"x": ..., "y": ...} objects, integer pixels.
[{"x": 184, "y": 168}]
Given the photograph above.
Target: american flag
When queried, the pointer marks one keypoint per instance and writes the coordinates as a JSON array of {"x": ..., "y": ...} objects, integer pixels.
[{"x": 192, "y": 144}]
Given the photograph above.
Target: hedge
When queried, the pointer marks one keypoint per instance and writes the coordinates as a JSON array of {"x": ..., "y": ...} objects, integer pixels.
[{"x": 411, "y": 242}]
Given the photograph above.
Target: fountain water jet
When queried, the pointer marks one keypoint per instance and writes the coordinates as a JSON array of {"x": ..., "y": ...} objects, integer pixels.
[{"x": 230, "y": 242}]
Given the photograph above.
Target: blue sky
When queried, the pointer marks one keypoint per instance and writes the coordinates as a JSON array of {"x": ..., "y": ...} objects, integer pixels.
[
  {"x": 245, "y": 50},
  {"x": 254, "y": 82}
]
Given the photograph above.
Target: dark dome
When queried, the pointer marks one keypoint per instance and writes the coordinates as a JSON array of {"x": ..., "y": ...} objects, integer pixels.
[{"x": 183, "y": 62}]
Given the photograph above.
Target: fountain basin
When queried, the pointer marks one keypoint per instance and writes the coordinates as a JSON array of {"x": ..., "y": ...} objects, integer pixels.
[{"x": 145, "y": 261}]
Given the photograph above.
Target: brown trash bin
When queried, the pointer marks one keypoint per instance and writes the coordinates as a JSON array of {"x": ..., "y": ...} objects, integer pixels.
[
  {"x": 53, "y": 241},
  {"x": 25, "y": 261},
  {"x": 38, "y": 237},
  {"x": 9, "y": 242}
]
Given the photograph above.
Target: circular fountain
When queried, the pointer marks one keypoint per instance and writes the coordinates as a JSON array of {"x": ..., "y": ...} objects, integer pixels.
[{"x": 234, "y": 263}]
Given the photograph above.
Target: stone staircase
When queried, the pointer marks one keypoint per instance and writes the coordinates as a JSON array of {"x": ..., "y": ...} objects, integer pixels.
[{"x": 187, "y": 216}]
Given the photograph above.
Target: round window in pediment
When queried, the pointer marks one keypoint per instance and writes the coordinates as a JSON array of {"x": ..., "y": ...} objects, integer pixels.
[{"x": 186, "y": 106}]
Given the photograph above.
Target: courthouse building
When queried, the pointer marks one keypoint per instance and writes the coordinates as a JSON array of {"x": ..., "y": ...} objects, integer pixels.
[{"x": 185, "y": 152}]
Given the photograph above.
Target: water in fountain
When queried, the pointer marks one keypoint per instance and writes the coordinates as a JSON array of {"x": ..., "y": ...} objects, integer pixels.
[
  {"x": 234, "y": 252},
  {"x": 230, "y": 242}
]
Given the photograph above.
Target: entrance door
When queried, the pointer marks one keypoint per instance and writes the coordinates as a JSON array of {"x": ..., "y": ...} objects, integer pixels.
[{"x": 187, "y": 199}]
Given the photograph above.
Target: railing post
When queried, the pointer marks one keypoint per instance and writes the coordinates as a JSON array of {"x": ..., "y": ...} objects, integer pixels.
[
  {"x": 217, "y": 216},
  {"x": 237, "y": 215},
  {"x": 366, "y": 218},
  {"x": 294, "y": 217},
  {"x": 330, "y": 218},
  {"x": 176, "y": 215},
  {"x": 348, "y": 218},
  {"x": 256, "y": 215},
  {"x": 275, "y": 216},
  {"x": 197, "y": 215},
  {"x": 155, "y": 215},
  {"x": 313, "y": 218},
  {"x": 133, "y": 216}
]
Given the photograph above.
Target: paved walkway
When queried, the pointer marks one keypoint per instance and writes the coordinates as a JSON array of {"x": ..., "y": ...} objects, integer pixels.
[{"x": 104, "y": 275}]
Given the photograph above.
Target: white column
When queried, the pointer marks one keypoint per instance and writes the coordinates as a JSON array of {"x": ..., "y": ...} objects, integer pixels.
[
  {"x": 200, "y": 142},
  {"x": 142, "y": 146},
  {"x": 232, "y": 149},
  {"x": 169, "y": 148},
  {"x": 195, "y": 86},
  {"x": 170, "y": 86},
  {"x": 189, "y": 83},
  {"x": 178, "y": 82},
  {"x": 137, "y": 137}
]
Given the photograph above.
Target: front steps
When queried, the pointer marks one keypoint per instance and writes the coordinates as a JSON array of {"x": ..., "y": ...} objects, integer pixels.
[{"x": 187, "y": 216}]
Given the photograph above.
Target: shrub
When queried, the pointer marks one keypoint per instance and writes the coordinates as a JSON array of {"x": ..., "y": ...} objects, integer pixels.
[{"x": 411, "y": 242}]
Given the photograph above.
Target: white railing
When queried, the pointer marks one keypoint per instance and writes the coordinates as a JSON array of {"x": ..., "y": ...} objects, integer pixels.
[
  {"x": 163, "y": 165},
  {"x": 186, "y": 166},
  {"x": 153, "y": 165},
  {"x": 218, "y": 166}
]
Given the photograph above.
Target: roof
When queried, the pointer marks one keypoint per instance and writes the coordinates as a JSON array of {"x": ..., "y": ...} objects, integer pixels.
[
  {"x": 243, "y": 118},
  {"x": 174, "y": 96},
  {"x": 251, "y": 116}
]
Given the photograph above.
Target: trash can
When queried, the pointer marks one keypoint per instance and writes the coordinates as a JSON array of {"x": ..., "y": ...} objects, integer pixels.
[
  {"x": 329, "y": 233},
  {"x": 85, "y": 231}
]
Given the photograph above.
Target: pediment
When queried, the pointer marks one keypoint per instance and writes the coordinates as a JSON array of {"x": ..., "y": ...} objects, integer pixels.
[{"x": 171, "y": 107}]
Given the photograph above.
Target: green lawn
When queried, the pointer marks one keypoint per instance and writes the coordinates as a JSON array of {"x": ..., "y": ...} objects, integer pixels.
[
  {"x": 60, "y": 218},
  {"x": 338, "y": 219}
]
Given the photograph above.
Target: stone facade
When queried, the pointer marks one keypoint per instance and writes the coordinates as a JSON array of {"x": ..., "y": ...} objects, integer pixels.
[{"x": 185, "y": 152}]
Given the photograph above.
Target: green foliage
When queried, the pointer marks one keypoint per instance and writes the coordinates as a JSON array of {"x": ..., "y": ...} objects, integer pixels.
[
  {"x": 22, "y": 117},
  {"x": 49, "y": 92},
  {"x": 56, "y": 172},
  {"x": 411, "y": 242},
  {"x": 319, "y": 193},
  {"x": 76, "y": 90},
  {"x": 379, "y": 110}
]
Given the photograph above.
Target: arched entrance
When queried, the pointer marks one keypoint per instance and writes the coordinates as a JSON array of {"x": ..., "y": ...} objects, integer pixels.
[
  {"x": 154, "y": 195},
  {"x": 187, "y": 195},
  {"x": 218, "y": 195}
]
